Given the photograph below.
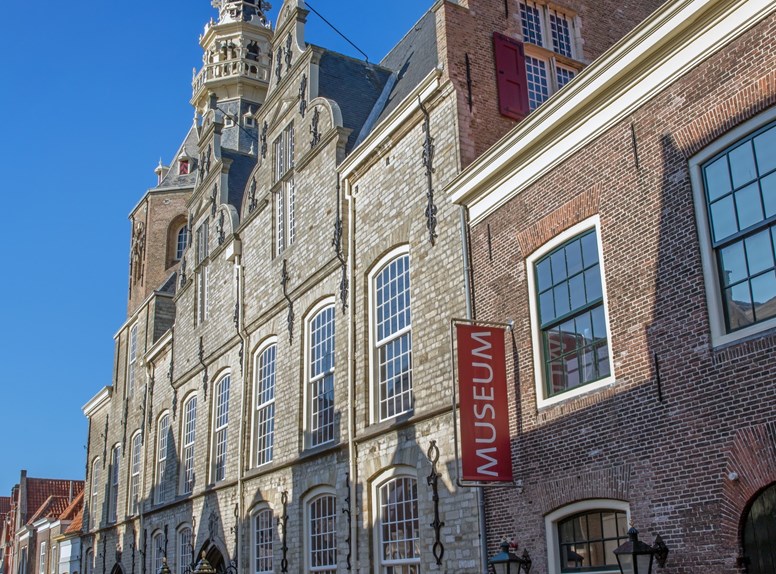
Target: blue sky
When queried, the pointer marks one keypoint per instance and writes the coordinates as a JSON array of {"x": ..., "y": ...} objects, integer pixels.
[{"x": 94, "y": 93}]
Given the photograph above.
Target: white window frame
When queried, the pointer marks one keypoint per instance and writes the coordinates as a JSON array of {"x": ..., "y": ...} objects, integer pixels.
[
  {"x": 259, "y": 510},
  {"x": 265, "y": 405},
  {"x": 283, "y": 149},
  {"x": 322, "y": 306},
  {"x": 113, "y": 478},
  {"x": 135, "y": 465},
  {"x": 542, "y": 401},
  {"x": 313, "y": 496},
  {"x": 374, "y": 344},
  {"x": 552, "y": 519},
  {"x": 384, "y": 478},
  {"x": 132, "y": 359},
  {"x": 221, "y": 428},
  {"x": 42, "y": 560},
  {"x": 95, "y": 487},
  {"x": 188, "y": 445},
  {"x": 179, "y": 550},
  {"x": 162, "y": 453},
  {"x": 203, "y": 271},
  {"x": 53, "y": 558},
  {"x": 714, "y": 303},
  {"x": 157, "y": 552},
  {"x": 181, "y": 242}
]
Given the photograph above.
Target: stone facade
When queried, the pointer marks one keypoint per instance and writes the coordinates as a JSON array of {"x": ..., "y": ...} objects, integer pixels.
[
  {"x": 680, "y": 438},
  {"x": 308, "y": 181}
]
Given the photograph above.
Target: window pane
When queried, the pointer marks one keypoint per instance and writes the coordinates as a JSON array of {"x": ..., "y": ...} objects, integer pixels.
[
  {"x": 739, "y": 306},
  {"x": 593, "y": 286},
  {"x": 590, "y": 544},
  {"x": 574, "y": 257},
  {"x": 547, "y": 307},
  {"x": 723, "y": 218},
  {"x": 717, "y": 178},
  {"x": 589, "y": 249},
  {"x": 748, "y": 205},
  {"x": 764, "y": 295},
  {"x": 399, "y": 525},
  {"x": 765, "y": 150},
  {"x": 323, "y": 534},
  {"x": 561, "y": 34},
  {"x": 564, "y": 76},
  {"x": 531, "y": 21},
  {"x": 768, "y": 189},
  {"x": 742, "y": 165},
  {"x": 538, "y": 88},
  {"x": 265, "y": 406},
  {"x": 759, "y": 252},
  {"x": 543, "y": 274},
  {"x": 733, "y": 263},
  {"x": 263, "y": 538}
]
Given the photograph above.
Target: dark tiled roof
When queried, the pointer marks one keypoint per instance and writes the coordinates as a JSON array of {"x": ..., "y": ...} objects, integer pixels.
[
  {"x": 239, "y": 172},
  {"x": 5, "y": 504},
  {"x": 52, "y": 508},
  {"x": 78, "y": 522},
  {"x": 189, "y": 148},
  {"x": 354, "y": 85},
  {"x": 74, "y": 508},
  {"x": 412, "y": 59}
]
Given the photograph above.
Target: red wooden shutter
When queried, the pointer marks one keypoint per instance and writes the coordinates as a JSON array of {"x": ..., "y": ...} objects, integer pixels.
[{"x": 511, "y": 77}]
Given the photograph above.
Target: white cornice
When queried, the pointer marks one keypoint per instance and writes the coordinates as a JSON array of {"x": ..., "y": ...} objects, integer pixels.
[
  {"x": 157, "y": 348},
  {"x": 97, "y": 401},
  {"x": 394, "y": 121},
  {"x": 664, "y": 47}
]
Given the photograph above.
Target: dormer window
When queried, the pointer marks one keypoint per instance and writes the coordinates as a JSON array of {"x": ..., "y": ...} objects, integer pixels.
[
  {"x": 249, "y": 121},
  {"x": 183, "y": 167},
  {"x": 228, "y": 121}
]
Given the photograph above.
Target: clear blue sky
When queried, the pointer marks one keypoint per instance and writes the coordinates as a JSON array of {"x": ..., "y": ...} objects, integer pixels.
[{"x": 94, "y": 93}]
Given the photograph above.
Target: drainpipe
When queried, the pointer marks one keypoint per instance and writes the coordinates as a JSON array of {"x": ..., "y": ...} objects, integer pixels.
[
  {"x": 244, "y": 342},
  {"x": 351, "y": 243},
  {"x": 467, "y": 269}
]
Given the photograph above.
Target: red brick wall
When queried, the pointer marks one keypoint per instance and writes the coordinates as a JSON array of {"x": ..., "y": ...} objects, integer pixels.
[{"x": 670, "y": 460}]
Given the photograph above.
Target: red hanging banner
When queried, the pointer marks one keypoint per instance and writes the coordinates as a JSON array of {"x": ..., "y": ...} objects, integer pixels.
[{"x": 482, "y": 385}]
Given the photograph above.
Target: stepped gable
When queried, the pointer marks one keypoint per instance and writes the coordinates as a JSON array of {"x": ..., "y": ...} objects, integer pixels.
[{"x": 355, "y": 85}]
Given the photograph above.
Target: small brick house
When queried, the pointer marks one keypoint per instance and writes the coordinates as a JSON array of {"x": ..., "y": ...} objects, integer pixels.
[{"x": 627, "y": 230}]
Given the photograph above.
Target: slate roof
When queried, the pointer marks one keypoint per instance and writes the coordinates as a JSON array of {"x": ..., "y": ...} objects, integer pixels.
[
  {"x": 170, "y": 285},
  {"x": 189, "y": 147},
  {"x": 239, "y": 172},
  {"x": 354, "y": 85},
  {"x": 412, "y": 59}
]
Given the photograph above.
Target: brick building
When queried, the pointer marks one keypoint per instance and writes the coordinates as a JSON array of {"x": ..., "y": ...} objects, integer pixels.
[
  {"x": 274, "y": 404},
  {"x": 627, "y": 230},
  {"x": 38, "y": 511}
]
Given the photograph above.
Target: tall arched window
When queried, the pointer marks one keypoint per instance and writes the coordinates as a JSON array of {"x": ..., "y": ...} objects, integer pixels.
[
  {"x": 162, "y": 442},
  {"x": 95, "y": 490},
  {"x": 398, "y": 527},
  {"x": 89, "y": 562},
  {"x": 113, "y": 495},
  {"x": 182, "y": 243},
  {"x": 264, "y": 417},
  {"x": 185, "y": 550},
  {"x": 262, "y": 541},
  {"x": 221, "y": 427},
  {"x": 157, "y": 552},
  {"x": 322, "y": 534},
  {"x": 189, "y": 436},
  {"x": 392, "y": 336},
  {"x": 320, "y": 384},
  {"x": 134, "y": 473}
]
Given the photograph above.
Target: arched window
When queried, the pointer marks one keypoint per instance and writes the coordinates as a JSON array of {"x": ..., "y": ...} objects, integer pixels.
[
  {"x": 220, "y": 428},
  {"x": 134, "y": 473},
  {"x": 322, "y": 534},
  {"x": 89, "y": 562},
  {"x": 162, "y": 442},
  {"x": 320, "y": 382},
  {"x": 189, "y": 436},
  {"x": 581, "y": 537},
  {"x": 392, "y": 336},
  {"x": 398, "y": 526},
  {"x": 113, "y": 495},
  {"x": 264, "y": 417},
  {"x": 185, "y": 550},
  {"x": 182, "y": 243},
  {"x": 95, "y": 489},
  {"x": 157, "y": 552},
  {"x": 263, "y": 536}
]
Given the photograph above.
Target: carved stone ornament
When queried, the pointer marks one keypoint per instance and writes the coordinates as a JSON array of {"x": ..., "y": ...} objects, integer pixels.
[
  {"x": 253, "y": 202},
  {"x": 289, "y": 53},
  {"x": 220, "y": 225},
  {"x": 284, "y": 280},
  {"x": 315, "y": 135},
  {"x": 138, "y": 250},
  {"x": 428, "y": 163},
  {"x": 303, "y": 95},
  {"x": 279, "y": 64},
  {"x": 214, "y": 201}
]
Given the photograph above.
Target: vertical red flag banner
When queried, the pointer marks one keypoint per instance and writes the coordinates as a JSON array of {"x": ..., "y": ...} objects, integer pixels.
[{"x": 482, "y": 385}]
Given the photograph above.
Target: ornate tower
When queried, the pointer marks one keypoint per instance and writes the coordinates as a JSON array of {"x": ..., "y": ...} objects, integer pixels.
[{"x": 236, "y": 68}]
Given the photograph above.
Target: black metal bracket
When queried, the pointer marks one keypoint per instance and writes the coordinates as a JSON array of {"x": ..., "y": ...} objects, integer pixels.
[
  {"x": 336, "y": 242},
  {"x": 132, "y": 549},
  {"x": 105, "y": 442},
  {"x": 264, "y": 129},
  {"x": 284, "y": 522},
  {"x": 144, "y": 551},
  {"x": 289, "y": 53},
  {"x": 124, "y": 424},
  {"x": 148, "y": 401},
  {"x": 469, "y": 99},
  {"x": 428, "y": 163},
  {"x": 279, "y": 64},
  {"x": 202, "y": 362},
  {"x": 433, "y": 481},
  {"x": 253, "y": 202},
  {"x": 284, "y": 279},
  {"x": 175, "y": 404},
  {"x": 347, "y": 512},
  {"x": 316, "y": 135},
  {"x": 166, "y": 539},
  {"x": 220, "y": 228},
  {"x": 303, "y": 95}
]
